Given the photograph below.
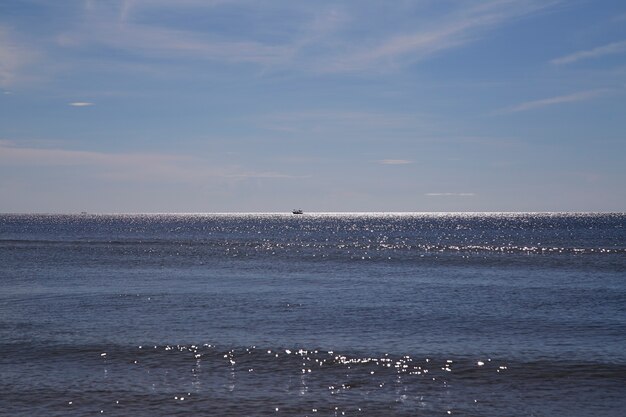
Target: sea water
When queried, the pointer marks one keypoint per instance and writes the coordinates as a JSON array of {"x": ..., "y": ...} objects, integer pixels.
[{"x": 360, "y": 314}]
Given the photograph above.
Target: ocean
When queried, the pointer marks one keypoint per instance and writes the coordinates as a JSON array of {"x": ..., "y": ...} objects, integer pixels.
[{"x": 355, "y": 314}]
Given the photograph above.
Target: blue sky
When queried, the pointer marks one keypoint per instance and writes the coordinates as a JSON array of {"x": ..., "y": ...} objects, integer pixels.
[{"x": 240, "y": 105}]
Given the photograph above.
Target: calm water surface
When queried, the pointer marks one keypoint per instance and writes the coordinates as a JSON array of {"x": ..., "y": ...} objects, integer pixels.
[{"x": 318, "y": 314}]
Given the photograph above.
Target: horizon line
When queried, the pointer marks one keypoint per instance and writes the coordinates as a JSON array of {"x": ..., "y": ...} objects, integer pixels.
[{"x": 289, "y": 213}]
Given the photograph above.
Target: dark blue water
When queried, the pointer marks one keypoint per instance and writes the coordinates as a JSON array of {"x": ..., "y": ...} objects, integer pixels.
[{"x": 351, "y": 314}]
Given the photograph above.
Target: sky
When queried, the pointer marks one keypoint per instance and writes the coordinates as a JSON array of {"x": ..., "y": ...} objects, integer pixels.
[{"x": 125, "y": 106}]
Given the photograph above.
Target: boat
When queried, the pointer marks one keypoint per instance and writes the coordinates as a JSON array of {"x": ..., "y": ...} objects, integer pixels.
[{"x": 297, "y": 211}]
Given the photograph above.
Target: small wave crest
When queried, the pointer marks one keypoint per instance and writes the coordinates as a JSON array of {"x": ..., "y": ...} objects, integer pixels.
[{"x": 291, "y": 379}]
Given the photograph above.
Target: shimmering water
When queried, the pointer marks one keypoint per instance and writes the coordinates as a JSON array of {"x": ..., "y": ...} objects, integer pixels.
[{"x": 318, "y": 315}]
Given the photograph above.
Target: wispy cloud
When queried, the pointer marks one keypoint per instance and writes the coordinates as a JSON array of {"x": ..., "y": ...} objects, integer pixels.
[
  {"x": 111, "y": 25},
  {"x": 320, "y": 42},
  {"x": 317, "y": 39},
  {"x": 170, "y": 43},
  {"x": 80, "y": 104},
  {"x": 10, "y": 153},
  {"x": 610, "y": 49},
  {"x": 128, "y": 7},
  {"x": 466, "y": 25},
  {"x": 14, "y": 56},
  {"x": 321, "y": 121},
  {"x": 203, "y": 44},
  {"x": 394, "y": 161},
  {"x": 450, "y": 194},
  {"x": 568, "y": 98},
  {"x": 264, "y": 175},
  {"x": 143, "y": 167}
]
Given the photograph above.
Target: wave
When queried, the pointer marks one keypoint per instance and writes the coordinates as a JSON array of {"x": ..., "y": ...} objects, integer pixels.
[
  {"x": 317, "y": 359},
  {"x": 265, "y": 245},
  {"x": 210, "y": 379}
]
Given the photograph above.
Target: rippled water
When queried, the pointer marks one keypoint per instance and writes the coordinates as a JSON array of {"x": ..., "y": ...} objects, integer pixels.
[{"x": 329, "y": 314}]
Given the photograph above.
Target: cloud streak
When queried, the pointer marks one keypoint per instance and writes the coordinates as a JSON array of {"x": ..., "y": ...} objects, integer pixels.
[
  {"x": 143, "y": 167},
  {"x": 450, "y": 194},
  {"x": 324, "y": 120},
  {"x": 465, "y": 26},
  {"x": 395, "y": 162},
  {"x": 169, "y": 43},
  {"x": 13, "y": 58},
  {"x": 318, "y": 43},
  {"x": 610, "y": 49},
  {"x": 113, "y": 26},
  {"x": 568, "y": 98},
  {"x": 80, "y": 104},
  {"x": 263, "y": 175}
]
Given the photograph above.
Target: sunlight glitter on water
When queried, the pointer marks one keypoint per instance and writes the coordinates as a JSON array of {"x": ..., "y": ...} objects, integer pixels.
[
  {"x": 540, "y": 294},
  {"x": 355, "y": 383}
]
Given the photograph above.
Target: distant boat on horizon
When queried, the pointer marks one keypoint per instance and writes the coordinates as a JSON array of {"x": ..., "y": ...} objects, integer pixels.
[{"x": 297, "y": 211}]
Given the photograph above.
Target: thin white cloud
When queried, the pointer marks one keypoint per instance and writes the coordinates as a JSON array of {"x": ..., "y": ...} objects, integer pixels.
[
  {"x": 80, "y": 104},
  {"x": 18, "y": 155},
  {"x": 395, "y": 161},
  {"x": 14, "y": 56},
  {"x": 106, "y": 24},
  {"x": 144, "y": 167},
  {"x": 264, "y": 175},
  {"x": 466, "y": 25},
  {"x": 317, "y": 122},
  {"x": 128, "y": 7},
  {"x": 610, "y": 49},
  {"x": 163, "y": 42},
  {"x": 318, "y": 43},
  {"x": 450, "y": 194},
  {"x": 568, "y": 98},
  {"x": 168, "y": 43}
]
